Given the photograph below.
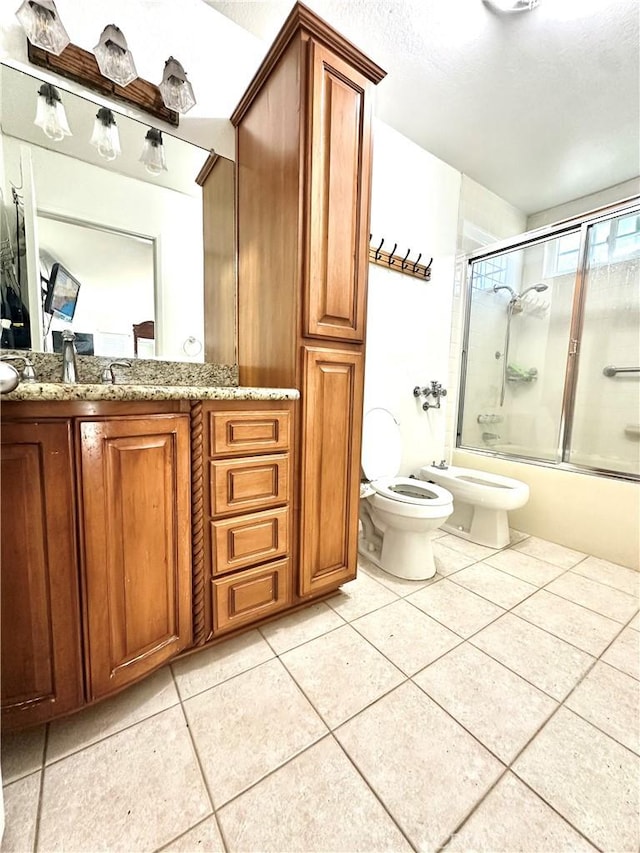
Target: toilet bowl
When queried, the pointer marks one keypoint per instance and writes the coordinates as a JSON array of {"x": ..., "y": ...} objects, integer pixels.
[
  {"x": 481, "y": 502},
  {"x": 398, "y": 514}
]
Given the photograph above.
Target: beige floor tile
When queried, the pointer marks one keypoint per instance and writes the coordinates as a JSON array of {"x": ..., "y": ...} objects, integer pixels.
[
  {"x": 497, "y": 706},
  {"x": 204, "y": 837},
  {"x": 341, "y": 673},
  {"x": 300, "y": 627},
  {"x": 549, "y": 551},
  {"x": 587, "y": 777},
  {"x": 513, "y": 819},
  {"x": 620, "y": 577},
  {"x": 527, "y": 568},
  {"x": 249, "y": 726},
  {"x": 20, "y": 814},
  {"x": 547, "y": 662},
  {"x": 360, "y": 596},
  {"x": 317, "y": 802},
  {"x": 401, "y": 586},
  {"x": 469, "y": 549},
  {"x": 635, "y": 622},
  {"x": 209, "y": 667},
  {"x": 408, "y": 637},
  {"x": 156, "y": 693},
  {"x": 136, "y": 790},
  {"x": 610, "y": 699},
  {"x": 21, "y": 753},
  {"x": 449, "y": 561},
  {"x": 583, "y": 628},
  {"x": 596, "y": 596},
  {"x": 456, "y": 607},
  {"x": 426, "y": 769},
  {"x": 624, "y": 653},
  {"x": 494, "y": 585}
]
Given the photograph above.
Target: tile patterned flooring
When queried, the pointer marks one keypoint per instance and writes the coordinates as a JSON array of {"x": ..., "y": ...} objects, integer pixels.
[{"x": 492, "y": 708}]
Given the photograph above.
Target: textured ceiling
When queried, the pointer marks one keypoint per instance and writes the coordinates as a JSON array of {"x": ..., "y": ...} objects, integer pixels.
[{"x": 540, "y": 107}]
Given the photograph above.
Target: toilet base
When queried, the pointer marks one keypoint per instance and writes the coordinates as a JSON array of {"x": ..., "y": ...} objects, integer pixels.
[
  {"x": 478, "y": 524},
  {"x": 397, "y": 555}
]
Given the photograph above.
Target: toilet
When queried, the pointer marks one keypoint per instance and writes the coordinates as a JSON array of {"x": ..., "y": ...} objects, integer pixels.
[
  {"x": 481, "y": 502},
  {"x": 398, "y": 514}
]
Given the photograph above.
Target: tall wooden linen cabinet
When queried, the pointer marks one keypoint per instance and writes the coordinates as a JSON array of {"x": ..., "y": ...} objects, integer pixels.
[{"x": 303, "y": 197}]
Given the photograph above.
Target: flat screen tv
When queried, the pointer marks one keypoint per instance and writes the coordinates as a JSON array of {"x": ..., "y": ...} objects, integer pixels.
[{"x": 62, "y": 293}]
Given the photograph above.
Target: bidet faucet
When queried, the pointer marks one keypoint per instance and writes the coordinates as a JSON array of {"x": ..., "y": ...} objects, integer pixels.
[{"x": 443, "y": 464}]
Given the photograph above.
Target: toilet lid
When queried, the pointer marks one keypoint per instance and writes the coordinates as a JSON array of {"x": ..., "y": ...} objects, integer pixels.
[{"x": 381, "y": 444}]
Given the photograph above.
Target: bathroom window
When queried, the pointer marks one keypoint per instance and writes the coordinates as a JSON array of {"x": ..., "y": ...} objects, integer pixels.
[
  {"x": 561, "y": 255},
  {"x": 610, "y": 241},
  {"x": 490, "y": 273}
]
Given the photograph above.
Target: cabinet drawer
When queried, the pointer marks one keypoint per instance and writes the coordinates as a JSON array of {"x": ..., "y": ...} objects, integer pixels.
[
  {"x": 250, "y": 595},
  {"x": 249, "y": 540},
  {"x": 248, "y": 432},
  {"x": 242, "y": 485}
]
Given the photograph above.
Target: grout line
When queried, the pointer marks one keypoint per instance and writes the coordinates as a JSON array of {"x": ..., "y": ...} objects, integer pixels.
[
  {"x": 200, "y": 767},
  {"x": 375, "y": 793},
  {"x": 36, "y": 835},
  {"x": 304, "y": 642},
  {"x": 590, "y": 609},
  {"x": 111, "y": 734}
]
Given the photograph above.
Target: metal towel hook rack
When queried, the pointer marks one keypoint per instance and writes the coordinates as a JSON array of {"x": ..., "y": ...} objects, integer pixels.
[{"x": 399, "y": 263}]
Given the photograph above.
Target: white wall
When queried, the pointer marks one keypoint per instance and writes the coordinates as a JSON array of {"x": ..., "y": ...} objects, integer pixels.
[
  {"x": 584, "y": 204},
  {"x": 173, "y": 219},
  {"x": 414, "y": 203}
]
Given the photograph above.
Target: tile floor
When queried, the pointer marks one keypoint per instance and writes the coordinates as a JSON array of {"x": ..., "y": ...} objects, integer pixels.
[{"x": 492, "y": 708}]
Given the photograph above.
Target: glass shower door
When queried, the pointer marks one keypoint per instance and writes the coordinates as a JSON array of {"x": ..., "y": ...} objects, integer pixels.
[
  {"x": 518, "y": 339},
  {"x": 605, "y": 430}
]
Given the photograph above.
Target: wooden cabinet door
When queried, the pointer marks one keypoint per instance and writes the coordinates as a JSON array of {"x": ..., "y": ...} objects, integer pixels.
[
  {"x": 338, "y": 215},
  {"x": 136, "y": 525},
  {"x": 330, "y": 479},
  {"x": 41, "y": 664}
]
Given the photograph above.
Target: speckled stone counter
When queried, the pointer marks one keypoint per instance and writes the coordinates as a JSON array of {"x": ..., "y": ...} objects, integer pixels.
[
  {"x": 147, "y": 371},
  {"x": 58, "y": 391}
]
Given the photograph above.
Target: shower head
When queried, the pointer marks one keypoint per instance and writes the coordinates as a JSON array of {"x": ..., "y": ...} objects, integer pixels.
[{"x": 539, "y": 288}]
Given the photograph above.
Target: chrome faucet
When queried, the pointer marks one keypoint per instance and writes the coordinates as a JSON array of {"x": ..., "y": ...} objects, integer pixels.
[
  {"x": 436, "y": 390},
  {"x": 27, "y": 372},
  {"x": 69, "y": 369},
  {"x": 108, "y": 375}
]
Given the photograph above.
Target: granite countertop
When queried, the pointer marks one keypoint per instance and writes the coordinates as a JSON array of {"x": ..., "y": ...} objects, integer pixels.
[{"x": 59, "y": 391}]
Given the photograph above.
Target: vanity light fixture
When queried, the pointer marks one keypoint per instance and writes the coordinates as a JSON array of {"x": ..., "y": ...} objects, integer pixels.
[
  {"x": 176, "y": 91},
  {"x": 114, "y": 57},
  {"x": 42, "y": 24},
  {"x": 50, "y": 113},
  {"x": 105, "y": 135},
  {"x": 511, "y": 5},
  {"x": 153, "y": 152}
]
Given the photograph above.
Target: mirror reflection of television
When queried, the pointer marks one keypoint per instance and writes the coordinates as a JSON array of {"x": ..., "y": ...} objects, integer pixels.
[
  {"x": 83, "y": 342},
  {"x": 62, "y": 293}
]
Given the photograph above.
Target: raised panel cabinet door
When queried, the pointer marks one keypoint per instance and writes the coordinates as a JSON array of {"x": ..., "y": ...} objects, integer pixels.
[
  {"x": 135, "y": 477},
  {"x": 330, "y": 481},
  {"x": 41, "y": 673},
  {"x": 338, "y": 214},
  {"x": 245, "y": 597}
]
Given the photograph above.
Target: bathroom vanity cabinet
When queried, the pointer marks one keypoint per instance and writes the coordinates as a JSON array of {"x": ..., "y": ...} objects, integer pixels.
[
  {"x": 303, "y": 194},
  {"x": 96, "y": 550}
]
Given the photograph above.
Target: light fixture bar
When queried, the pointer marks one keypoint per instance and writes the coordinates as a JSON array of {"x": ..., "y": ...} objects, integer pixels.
[{"x": 81, "y": 66}]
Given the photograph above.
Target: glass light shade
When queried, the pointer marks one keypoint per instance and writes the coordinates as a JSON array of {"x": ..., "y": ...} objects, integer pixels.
[
  {"x": 105, "y": 136},
  {"x": 42, "y": 24},
  {"x": 114, "y": 57},
  {"x": 153, "y": 152},
  {"x": 176, "y": 91},
  {"x": 50, "y": 114}
]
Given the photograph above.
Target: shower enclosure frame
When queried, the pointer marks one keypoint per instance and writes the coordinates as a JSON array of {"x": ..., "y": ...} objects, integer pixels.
[{"x": 582, "y": 223}]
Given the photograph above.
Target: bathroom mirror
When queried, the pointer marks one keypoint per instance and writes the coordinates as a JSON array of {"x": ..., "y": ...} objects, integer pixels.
[{"x": 133, "y": 240}]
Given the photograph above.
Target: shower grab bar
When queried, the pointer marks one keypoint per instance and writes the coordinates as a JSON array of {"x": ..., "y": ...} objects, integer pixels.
[{"x": 611, "y": 371}]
